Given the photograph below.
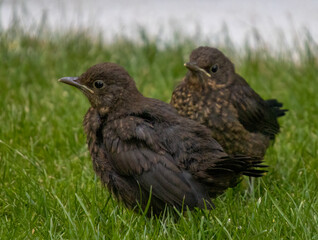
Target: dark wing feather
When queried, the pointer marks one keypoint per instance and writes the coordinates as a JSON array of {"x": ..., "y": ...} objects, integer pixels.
[
  {"x": 135, "y": 151},
  {"x": 255, "y": 114},
  {"x": 175, "y": 188}
]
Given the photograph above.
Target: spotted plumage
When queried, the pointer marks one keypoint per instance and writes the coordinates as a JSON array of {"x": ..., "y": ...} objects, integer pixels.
[{"x": 217, "y": 97}]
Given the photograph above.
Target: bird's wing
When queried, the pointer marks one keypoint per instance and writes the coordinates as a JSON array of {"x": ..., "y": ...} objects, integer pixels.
[
  {"x": 254, "y": 113},
  {"x": 135, "y": 151}
]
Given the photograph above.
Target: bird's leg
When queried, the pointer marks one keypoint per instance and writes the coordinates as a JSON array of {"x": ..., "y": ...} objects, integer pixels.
[{"x": 251, "y": 182}]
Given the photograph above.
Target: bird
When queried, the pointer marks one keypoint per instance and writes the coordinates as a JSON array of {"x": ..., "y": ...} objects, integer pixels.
[
  {"x": 146, "y": 154},
  {"x": 214, "y": 95}
]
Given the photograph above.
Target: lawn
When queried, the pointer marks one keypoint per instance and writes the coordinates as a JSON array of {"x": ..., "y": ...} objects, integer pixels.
[{"x": 48, "y": 186}]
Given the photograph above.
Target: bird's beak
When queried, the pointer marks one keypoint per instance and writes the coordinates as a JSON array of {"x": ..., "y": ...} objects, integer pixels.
[
  {"x": 194, "y": 68},
  {"x": 72, "y": 81}
]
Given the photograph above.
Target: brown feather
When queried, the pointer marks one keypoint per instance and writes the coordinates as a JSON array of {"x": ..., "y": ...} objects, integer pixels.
[
  {"x": 239, "y": 119},
  {"x": 140, "y": 146}
]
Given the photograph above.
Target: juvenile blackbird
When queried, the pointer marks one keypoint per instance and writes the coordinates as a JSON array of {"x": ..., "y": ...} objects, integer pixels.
[
  {"x": 217, "y": 97},
  {"x": 142, "y": 149}
]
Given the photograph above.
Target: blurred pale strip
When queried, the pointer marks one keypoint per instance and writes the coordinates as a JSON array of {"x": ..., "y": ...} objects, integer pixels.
[{"x": 275, "y": 22}]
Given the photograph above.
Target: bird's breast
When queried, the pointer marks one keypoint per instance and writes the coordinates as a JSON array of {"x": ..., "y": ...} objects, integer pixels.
[{"x": 93, "y": 126}]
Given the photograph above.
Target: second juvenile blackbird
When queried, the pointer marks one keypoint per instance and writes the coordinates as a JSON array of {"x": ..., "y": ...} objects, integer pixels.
[
  {"x": 217, "y": 97},
  {"x": 141, "y": 148}
]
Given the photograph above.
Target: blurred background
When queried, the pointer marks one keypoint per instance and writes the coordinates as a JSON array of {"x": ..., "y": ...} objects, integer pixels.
[{"x": 276, "y": 22}]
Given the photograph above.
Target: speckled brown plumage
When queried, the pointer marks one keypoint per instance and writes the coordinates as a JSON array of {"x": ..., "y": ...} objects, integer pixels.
[
  {"x": 214, "y": 95},
  {"x": 140, "y": 146}
]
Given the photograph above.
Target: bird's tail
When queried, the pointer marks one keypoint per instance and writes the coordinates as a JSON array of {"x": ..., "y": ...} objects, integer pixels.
[
  {"x": 227, "y": 172},
  {"x": 253, "y": 166},
  {"x": 244, "y": 165},
  {"x": 276, "y": 107}
]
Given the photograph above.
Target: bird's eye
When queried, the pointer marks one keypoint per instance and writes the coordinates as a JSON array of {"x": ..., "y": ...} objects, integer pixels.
[
  {"x": 99, "y": 84},
  {"x": 214, "y": 68}
]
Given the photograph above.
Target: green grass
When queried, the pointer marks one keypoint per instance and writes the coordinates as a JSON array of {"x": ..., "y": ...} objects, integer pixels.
[{"x": 48, "y": 189}]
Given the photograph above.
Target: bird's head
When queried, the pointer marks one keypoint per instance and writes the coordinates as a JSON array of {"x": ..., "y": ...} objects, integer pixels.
[
  {"x": 105, "y": 85},
  {"x": 209, "y": 66}
]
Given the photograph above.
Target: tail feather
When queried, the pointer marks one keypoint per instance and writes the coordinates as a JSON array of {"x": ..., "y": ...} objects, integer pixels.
[
  {"x": 227, "y": 172},
  {"x": 254, "y": 173},
  {"x": 260, "y": 166},
  {"x": 240, "y": 164},
  {"x": 252, "y": 167},
  {"x": 276, "y": 107}
]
